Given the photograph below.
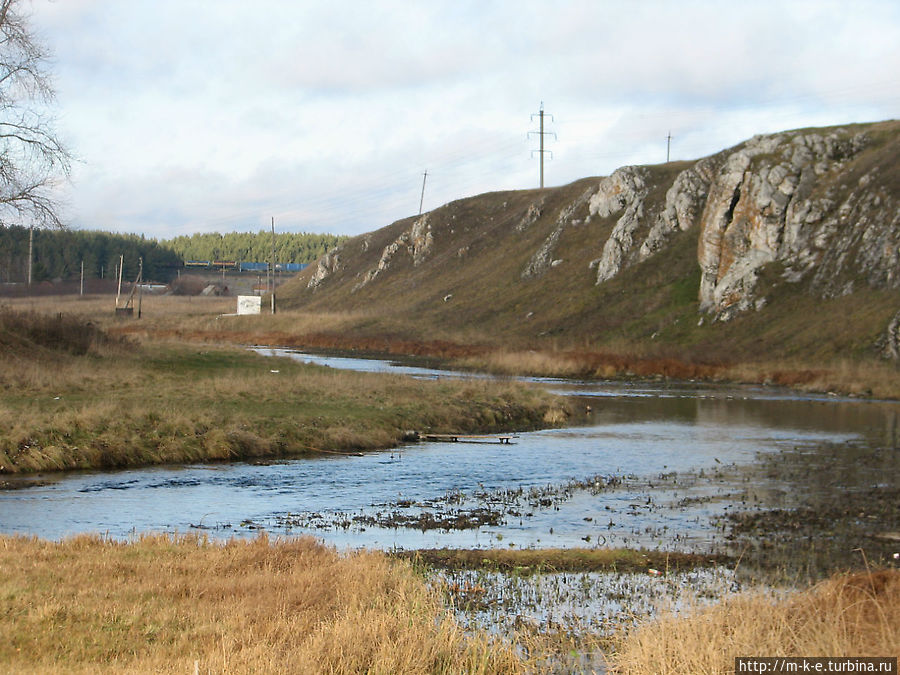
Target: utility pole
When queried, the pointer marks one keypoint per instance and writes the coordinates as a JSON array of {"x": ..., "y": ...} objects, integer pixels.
[
  {"x": 119, "y": 273},
  {"x": 82, "y": 278},
  {"x": 140, "y": 285},
  {"x": 30, "y": 253},
  {"x": 422, "y": 198},
  {"x": 668, "y": 145},
  {"x": 273, "y": 264},
  {"x": 541, "y": 114}
]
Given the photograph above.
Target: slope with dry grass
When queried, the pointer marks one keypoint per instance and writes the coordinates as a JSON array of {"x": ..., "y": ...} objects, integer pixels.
[{"x": 470, "y": 281}]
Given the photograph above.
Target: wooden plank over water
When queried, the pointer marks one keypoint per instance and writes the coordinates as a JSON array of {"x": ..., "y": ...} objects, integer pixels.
[{"x": 503, "y": 439}]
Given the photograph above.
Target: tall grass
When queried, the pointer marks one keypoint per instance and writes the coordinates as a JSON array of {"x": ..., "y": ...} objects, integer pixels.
[
  {"x": 165, "y": 604},
  {"x": 167, "y": 402},
  {"x": 845, "y": 615},
  {"x": 30, "y": 332},
  {"x": 199, "y": 319}
]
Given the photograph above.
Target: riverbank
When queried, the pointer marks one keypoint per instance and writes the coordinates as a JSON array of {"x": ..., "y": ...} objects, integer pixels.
[
  {"x": 73, "y": 396},
  {"x": 183, "y": 604},
  {"x": 169, "y": 604},
  {"x": 868, "y": 377},
  {"x": 202, "y": 320}
]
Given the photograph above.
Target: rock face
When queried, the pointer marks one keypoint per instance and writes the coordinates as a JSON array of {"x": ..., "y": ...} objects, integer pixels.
[
  {"x": 775, "y": 199},
  {"x": 624, "y": 191},
  {"x": 543, "y": 260},
  {"x": 416, "y": 242},
  {"x": 766, "y": 204},
  {"x": 684, "y": 204},
  {"x": 889, "y": 343},
  {"x": 327, "y": 265}
]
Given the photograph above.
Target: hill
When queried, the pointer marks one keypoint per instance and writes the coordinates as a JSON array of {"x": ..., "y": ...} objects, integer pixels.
[{"x": 785, "y": 247}]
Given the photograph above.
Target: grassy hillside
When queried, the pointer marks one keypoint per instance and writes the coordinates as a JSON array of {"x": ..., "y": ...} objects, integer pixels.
[{"x": 472, "y": 285}]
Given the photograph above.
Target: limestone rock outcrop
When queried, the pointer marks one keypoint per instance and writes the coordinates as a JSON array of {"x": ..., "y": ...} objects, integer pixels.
[
  {"x": 327, "y": 265},
  {"x": 779, "y": 198},
  {"x": 543, "y": 260},
  {"x": 416, "y": 242},
  {"x": 624, "y": 191},
  {"x": 767, "y": 204}
]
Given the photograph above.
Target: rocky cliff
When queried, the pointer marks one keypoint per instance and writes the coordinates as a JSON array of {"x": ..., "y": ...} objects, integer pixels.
[{"x": 810, "y": 212}]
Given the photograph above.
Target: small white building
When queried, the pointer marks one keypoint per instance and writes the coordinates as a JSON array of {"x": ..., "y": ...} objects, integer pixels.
[{"x": 249, "y": 304}]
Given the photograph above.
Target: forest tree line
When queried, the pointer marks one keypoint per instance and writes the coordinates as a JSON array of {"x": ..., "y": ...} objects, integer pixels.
[
  {"x": 290, "y": 247},
  {"x": 59, "y": 253}
]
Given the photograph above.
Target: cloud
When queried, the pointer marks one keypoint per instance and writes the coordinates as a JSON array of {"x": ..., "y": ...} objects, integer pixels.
[{"x": 196, "y": 116}]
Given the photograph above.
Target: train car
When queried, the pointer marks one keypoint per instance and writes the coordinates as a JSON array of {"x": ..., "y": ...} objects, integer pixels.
[
  {"x": 253, "y": 267},
  {"x": 290, "y": 267},
  {"x": 196, "y": 263}
]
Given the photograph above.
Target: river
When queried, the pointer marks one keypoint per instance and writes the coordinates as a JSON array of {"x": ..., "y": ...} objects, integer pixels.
[{"x": 655, "y": 464}]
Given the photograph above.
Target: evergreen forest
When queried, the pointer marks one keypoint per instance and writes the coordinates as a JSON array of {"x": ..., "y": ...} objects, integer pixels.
[{"x": 59, "y": 253}]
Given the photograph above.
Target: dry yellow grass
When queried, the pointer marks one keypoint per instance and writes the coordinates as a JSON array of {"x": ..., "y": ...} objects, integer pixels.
[
  {"x": 185, "y": 313},
  {"x": 72, "y": 397},
  {"x": 183, "y": 605},
  {"x": 198, "y": 318},
  {"x": 543, "y": 363},
  {"x": 846, "y": 615},
  {"x": 101, "y": 307}
]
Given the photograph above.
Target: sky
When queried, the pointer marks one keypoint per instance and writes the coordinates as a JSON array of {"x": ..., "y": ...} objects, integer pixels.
[{"x": 193, "y": 116}]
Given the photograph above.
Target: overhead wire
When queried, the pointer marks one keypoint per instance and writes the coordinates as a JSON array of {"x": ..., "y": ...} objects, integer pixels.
[{"x": 479, "y": 166}]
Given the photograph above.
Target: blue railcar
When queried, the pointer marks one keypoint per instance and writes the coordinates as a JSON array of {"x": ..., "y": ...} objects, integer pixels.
[{"x": 254, "y": 266}]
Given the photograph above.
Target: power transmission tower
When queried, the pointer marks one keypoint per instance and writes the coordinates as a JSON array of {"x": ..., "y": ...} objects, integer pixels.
[
  {"x": 422, "y": 198},
  {"x": 541, "y": 114}
]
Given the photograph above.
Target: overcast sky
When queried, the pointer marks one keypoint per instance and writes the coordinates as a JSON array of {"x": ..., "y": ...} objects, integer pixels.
[{"x": 201, "y": 115}]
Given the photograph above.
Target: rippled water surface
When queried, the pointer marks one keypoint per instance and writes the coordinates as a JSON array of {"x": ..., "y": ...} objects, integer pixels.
[{"x": 654, "y": 465}]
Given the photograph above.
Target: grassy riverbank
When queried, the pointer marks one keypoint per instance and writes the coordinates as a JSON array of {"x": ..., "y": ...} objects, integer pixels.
[
  {"x": 167, "y": 604},
  {"x": 844, "y": 616},
  {"x": 833, "y": 368},
  {"x": 182, "y": 605},
  {"x": 74, "y": 397}
]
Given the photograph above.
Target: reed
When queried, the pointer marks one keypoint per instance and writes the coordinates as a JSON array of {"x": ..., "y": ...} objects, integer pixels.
[
  {"x": 845, "y": 615},
  {"x": 182, "y": 604}
]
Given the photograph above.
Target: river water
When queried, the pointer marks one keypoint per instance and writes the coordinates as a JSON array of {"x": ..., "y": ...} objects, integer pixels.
[{"x": 657, "y": 465}]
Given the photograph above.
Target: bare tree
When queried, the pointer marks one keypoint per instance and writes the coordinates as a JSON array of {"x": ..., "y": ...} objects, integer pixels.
[{"x": 32, "y": 159}]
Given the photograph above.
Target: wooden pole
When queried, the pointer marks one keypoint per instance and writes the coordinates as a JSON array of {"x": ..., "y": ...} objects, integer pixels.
[
  {"x": 273, "y": 264},
  {"x": 119, "y": 291},
  {"x": 30, "y": 253},
  {"x": 140, "y": 285}
]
